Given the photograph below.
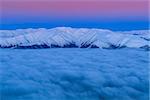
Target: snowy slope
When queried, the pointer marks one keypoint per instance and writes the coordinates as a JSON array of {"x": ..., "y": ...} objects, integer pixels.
[{"x": 73, "y": 37}]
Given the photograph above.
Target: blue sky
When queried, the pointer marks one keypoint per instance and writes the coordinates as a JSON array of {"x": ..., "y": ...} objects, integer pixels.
[{"x": 108, "y": 14}]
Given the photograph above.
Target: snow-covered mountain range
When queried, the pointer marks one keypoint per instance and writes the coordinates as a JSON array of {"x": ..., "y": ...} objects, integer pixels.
[{"x": 73, "y": 37}]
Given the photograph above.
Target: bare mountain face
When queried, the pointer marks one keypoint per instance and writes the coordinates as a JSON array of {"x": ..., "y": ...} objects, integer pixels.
[{"x": 66, "y": 37}]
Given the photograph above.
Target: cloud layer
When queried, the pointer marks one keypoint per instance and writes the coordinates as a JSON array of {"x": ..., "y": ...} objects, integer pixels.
[{"x": 74, "y": 74}]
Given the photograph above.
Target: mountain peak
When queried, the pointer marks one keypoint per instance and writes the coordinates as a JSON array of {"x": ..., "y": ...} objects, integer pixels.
[{"x": 73, "y": 37}]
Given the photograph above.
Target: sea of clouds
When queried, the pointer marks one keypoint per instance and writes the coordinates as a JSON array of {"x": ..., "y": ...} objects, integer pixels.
[{"x": 74, "y": 74}]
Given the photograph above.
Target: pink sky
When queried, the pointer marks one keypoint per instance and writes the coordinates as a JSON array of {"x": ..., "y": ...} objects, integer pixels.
[
  {"x": 20, "y": 11},
  {"x": 96, "y": 7}
]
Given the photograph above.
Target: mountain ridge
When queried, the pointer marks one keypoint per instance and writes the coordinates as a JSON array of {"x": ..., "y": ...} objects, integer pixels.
[{"x": 67, "y": 37}]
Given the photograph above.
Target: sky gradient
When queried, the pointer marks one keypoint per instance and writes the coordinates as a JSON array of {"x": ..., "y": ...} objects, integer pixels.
[{"x": 109, "y": 14}]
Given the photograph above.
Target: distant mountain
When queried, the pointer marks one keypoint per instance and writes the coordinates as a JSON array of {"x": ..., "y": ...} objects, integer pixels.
[{"x": 66, "y": 37}]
